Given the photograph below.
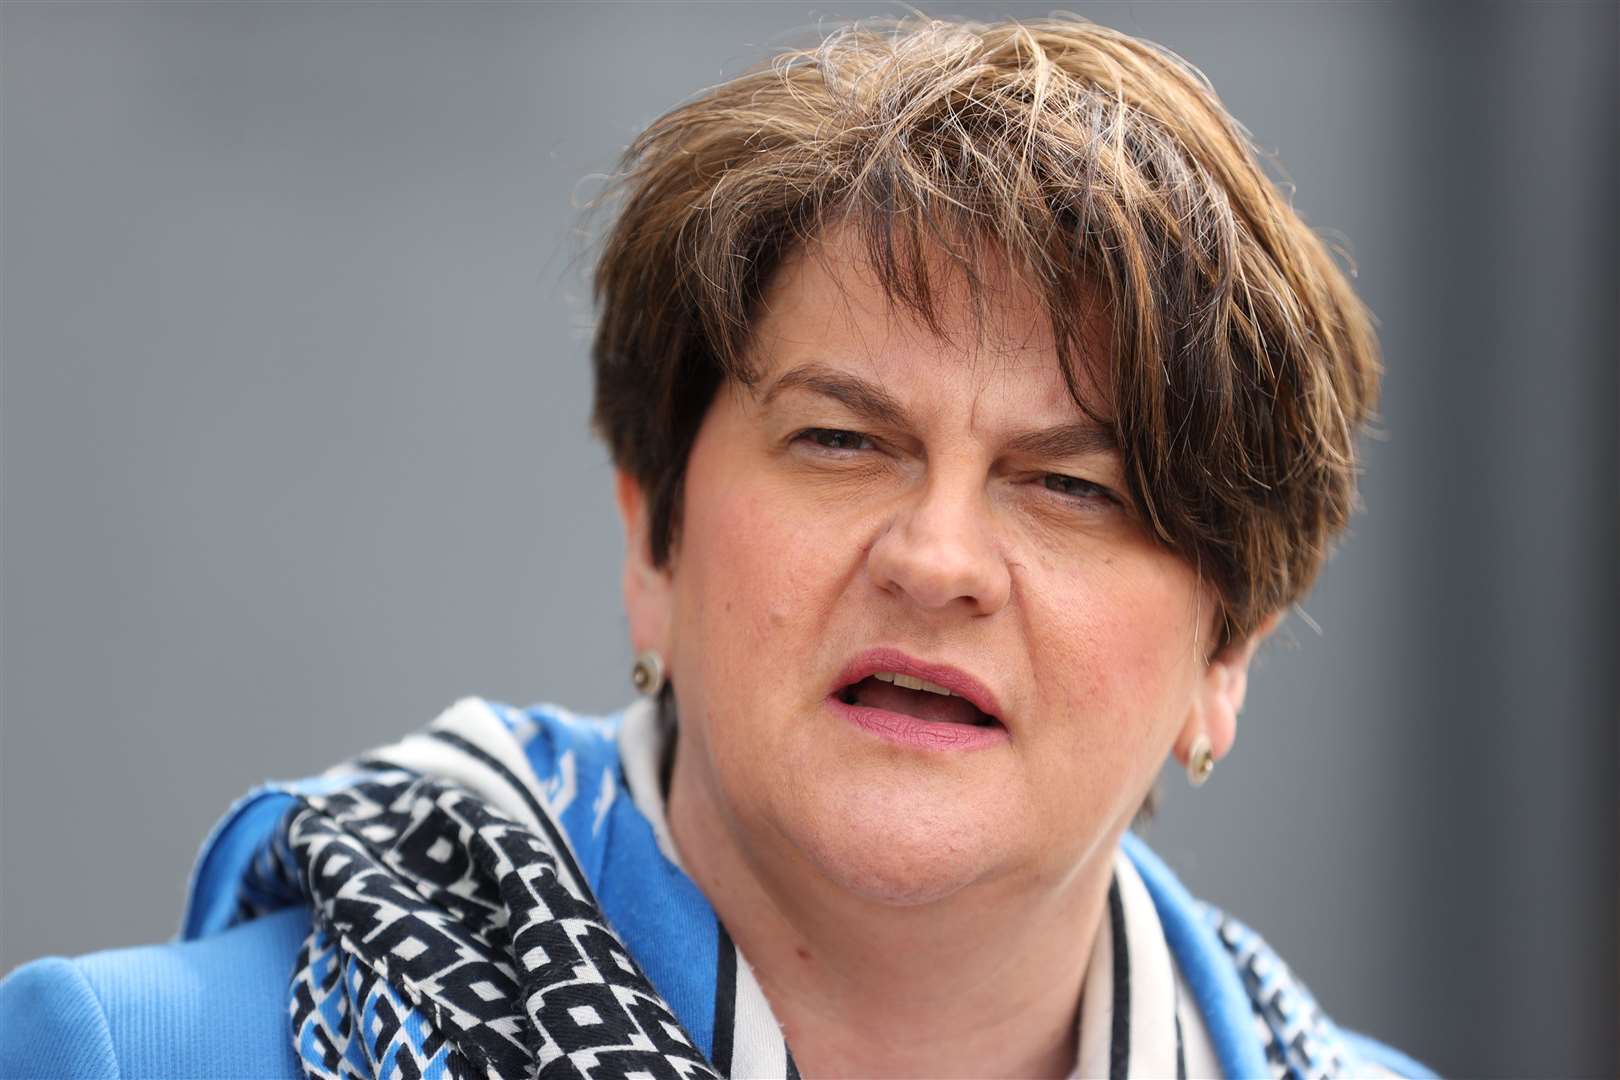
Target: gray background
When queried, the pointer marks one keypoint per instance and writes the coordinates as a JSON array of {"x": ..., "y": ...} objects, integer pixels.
[{"x": 293, "y": 453}]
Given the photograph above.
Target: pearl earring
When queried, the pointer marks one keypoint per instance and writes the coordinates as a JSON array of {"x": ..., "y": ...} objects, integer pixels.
[
  {"x": 1200, "y": 761},
  {"x": 647, "y": 673}
]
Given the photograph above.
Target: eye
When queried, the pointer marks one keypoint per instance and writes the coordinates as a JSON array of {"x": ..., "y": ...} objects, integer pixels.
[
  {"x": 835, "y": 439},
  {"x": 1076, "y": 488}
]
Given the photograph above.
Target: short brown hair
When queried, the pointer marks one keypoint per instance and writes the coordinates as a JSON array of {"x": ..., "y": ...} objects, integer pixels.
[{"x": 1242, "y": 364}]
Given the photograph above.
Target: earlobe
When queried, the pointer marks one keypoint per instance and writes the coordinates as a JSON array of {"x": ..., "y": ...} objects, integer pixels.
[
  {"x": 1221, "y": 692},
  {"x": 646, "y": 585}
]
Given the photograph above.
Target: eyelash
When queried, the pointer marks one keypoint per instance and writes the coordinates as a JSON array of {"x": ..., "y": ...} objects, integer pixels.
[
  {"x": 815, "y": 435},
  {"x": 1057, "y": 483},
  {"x": 1088, "y": 489}
]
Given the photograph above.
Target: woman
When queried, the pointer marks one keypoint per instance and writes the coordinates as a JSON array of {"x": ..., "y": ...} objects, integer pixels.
[{"x": 978, "y": 408}]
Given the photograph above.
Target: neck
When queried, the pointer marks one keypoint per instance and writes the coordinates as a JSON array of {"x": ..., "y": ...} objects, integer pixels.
[{"x": 985, "y": 982}]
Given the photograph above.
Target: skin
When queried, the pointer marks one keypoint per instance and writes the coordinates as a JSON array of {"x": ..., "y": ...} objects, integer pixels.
[{"x": 910, "y": 911}]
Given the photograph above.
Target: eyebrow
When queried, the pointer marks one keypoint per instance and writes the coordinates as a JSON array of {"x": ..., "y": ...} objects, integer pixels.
[
  {"x": 1070, "y": 440},
  {"x": 877, "y": 405},
  {"x": 856, "y": 394}
]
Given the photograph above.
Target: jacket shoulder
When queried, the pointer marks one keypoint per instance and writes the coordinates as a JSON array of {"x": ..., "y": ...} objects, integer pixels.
[
  {"x": 214, "y": 1006},
  {"x": 52, "y": 1024}
]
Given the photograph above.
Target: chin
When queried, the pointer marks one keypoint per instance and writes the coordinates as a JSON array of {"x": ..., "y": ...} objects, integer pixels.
[{"x": 896, "y": 850}]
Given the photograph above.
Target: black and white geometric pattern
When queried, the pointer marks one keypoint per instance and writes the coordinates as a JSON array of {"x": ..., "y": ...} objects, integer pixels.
[
  {"x": 451, "y": 940},
  {"x": 1301, "y": 1042}
]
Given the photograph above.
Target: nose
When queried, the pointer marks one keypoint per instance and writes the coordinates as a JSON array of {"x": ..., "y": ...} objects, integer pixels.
[{"x": 939, "y": 551}]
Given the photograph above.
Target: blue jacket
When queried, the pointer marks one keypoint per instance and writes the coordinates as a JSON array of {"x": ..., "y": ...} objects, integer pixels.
[{"x": 214, "y": 1002}]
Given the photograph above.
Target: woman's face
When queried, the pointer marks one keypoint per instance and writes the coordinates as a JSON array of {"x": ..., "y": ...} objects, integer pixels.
[{"x": 887, "y": 500}]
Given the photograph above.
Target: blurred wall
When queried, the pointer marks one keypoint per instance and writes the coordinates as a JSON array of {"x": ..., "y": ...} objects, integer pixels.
[{"x": 293, "y": 453}]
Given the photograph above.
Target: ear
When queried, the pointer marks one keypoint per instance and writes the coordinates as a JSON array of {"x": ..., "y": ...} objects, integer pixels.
[
  {"x": 1220, "y": 693},
  {"x": 647, "y": 593}
]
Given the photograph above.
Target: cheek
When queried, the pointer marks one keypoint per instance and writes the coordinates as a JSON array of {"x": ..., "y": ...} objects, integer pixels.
[
  {"x": 752, "y": 570},
  {"x": 1125, "y": 630},
  {"x": 755, "y": 590},
  {"x": 756, "y": 585}
]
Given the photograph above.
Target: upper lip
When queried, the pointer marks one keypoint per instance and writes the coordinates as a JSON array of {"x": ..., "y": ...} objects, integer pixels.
[{"x": 954, "y": 679}]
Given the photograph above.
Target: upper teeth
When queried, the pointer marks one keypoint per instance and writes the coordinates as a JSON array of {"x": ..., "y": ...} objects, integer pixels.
[{"x": 911, "y": 682}]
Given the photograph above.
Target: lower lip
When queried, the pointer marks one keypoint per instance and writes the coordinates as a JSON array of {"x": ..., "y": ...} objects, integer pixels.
[{"x": 903, "y": 730}]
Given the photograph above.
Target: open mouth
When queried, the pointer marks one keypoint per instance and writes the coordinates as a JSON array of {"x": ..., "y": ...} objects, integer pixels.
[{"x": 914, "y": 697}]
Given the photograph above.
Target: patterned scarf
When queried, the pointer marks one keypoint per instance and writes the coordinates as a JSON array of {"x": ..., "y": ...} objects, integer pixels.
[{"x": 454, "y": 933}]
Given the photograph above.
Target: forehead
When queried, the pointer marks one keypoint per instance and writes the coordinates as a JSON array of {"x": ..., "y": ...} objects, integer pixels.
[{"x": 991, "y": 333}]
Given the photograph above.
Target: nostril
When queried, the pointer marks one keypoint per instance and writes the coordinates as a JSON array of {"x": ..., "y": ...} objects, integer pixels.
[{"x": 936, "y": 561}]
